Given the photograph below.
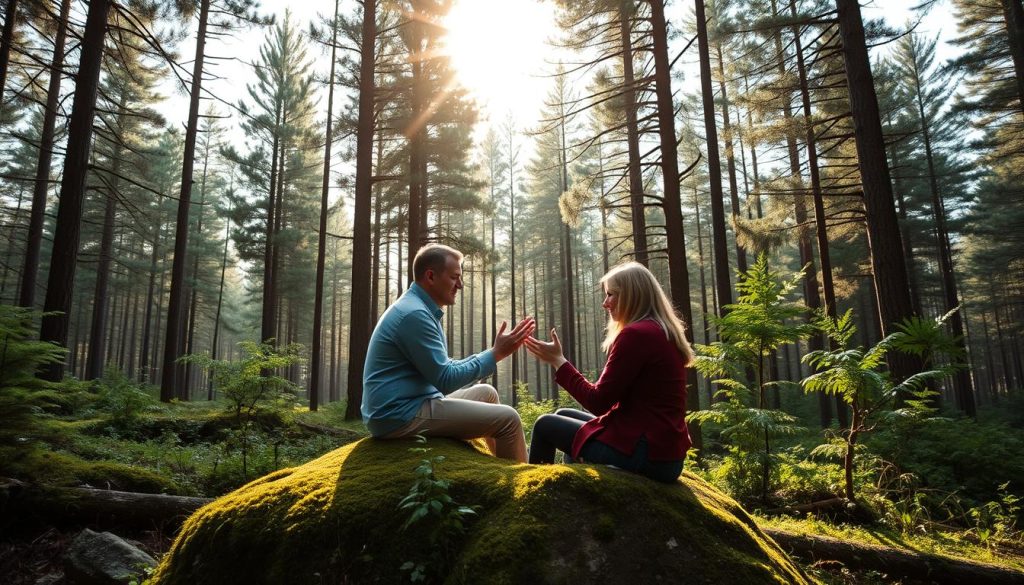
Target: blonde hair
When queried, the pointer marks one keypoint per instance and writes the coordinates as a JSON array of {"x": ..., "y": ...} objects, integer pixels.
[{"x": 640, "y": 296}]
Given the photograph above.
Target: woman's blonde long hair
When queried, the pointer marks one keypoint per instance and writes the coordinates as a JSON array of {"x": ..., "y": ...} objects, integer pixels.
[{"x": 640, "y": 296}]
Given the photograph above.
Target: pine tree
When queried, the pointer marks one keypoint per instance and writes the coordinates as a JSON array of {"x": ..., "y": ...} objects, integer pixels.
[
  {"x": 63, "y": 261},
  {"x": 360, "y": 325},
  {"x": 930, "y": 95}
]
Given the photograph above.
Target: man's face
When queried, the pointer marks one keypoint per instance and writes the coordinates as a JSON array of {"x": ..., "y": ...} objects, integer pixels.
[{"x": 444, "y": 285}]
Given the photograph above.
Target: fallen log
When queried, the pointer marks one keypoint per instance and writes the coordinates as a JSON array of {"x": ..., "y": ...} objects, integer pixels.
[
  {"x": 895, "y": 562},
  {"x": 96, "y": 507}
]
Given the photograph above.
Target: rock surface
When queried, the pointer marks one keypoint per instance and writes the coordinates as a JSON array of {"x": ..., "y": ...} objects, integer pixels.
[
  {"x": 336, "y": 520},
  {"x": 102, "y": 558}
]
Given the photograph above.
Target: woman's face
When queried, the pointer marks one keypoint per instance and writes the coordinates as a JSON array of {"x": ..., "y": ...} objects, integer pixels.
[{"x": 611, "y": 301}]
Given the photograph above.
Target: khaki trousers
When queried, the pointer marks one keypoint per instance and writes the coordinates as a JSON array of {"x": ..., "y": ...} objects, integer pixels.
[{"x": 470, "y": 413}]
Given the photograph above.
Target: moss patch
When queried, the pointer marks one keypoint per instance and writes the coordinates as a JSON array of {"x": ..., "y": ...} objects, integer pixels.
[
  {"x": 336, "y": 520},
  {"x": 51, "y": 468}
]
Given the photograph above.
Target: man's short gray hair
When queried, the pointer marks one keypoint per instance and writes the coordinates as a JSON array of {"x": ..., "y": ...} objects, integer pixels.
[{"x": 433, "y": 257}]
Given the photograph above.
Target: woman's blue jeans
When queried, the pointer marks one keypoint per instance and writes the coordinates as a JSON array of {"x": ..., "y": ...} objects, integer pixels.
[{"x": 556, "y": 431}]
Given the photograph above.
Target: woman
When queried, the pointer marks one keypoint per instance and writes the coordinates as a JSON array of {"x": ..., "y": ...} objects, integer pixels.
[{"x": 639, "y": 400}]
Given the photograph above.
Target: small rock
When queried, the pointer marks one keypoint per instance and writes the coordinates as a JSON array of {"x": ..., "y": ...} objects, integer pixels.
[
  {"x": 102, "y": 558},
  {"x": 50, "y": 579}
]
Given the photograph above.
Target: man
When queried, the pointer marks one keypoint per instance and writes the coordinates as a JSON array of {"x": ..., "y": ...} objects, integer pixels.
[{"x": 411, "y": 386}]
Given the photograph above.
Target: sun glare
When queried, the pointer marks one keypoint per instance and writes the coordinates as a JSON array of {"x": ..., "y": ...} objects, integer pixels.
[{"x": 498, "y": 49}]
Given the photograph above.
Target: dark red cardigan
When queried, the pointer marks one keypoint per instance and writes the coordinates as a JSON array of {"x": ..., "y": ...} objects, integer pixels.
[{"x": 641, "y": 392}]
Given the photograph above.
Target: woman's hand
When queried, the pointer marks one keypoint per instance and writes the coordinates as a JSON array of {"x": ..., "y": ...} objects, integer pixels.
[{"x": 549, "y": 352}]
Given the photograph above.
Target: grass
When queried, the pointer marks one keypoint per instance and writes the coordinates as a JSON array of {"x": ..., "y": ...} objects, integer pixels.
[{"x": 957, "y": 544}]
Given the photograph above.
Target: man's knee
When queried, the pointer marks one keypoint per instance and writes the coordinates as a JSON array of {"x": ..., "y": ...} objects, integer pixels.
[
  {"x": 488, "y": 393},
  {"x": 509, "y": 417}
]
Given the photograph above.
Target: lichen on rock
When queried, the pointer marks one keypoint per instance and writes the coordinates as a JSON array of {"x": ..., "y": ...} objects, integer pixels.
[{"x": 336, "y": 520}]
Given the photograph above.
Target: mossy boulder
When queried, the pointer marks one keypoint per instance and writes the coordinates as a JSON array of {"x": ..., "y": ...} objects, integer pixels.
[{"x": 336, "y": 520}]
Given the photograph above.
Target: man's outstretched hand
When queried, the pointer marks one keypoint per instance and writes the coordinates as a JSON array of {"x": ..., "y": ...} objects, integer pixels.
[{"x": 507, "y": 343}]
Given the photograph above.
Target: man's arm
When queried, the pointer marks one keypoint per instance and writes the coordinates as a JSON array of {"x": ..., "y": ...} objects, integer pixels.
[{"x": 421, "y": 342}]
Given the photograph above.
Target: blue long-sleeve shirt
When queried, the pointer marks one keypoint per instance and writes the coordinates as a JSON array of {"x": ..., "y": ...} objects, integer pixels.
[{"x": 407, "y": 363}]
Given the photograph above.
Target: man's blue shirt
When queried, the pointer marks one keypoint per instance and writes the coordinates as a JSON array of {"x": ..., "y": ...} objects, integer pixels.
[{"x": 407, "y": 363}]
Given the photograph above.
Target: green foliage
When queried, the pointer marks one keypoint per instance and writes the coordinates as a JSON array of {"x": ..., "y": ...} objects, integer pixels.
[
  {"x": 762, "y": 321},
  {"x": 429, "y": 502},
  {"x": 251, "y": 388},
  {"x": 857, "y": 375},
  {"x": 996, "y": 521},
  {"x": 530, "y": 408},
  {"x": 123, "y": 398},
  {"x": 21, "y": 358}
]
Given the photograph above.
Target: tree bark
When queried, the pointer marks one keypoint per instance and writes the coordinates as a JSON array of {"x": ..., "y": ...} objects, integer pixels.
[
  {"x": 722, "y": 277},
  {"x": 963, "y": 388},
  {"x": 730, "y": 160},
  {"x": 359, "y": 333},
  {"x": 169, "y": 379},
  {"x": 1013, "y": 14},
  {"x": 64, "y": 257},
  {"x": 321, "y": 251},
  {"x": 220, "y": 302},
  {"x": 679, "y": 273},
  {"x": 636, "y": 185},
  {"x": 6, "y": 40},
  {"x": 884, "y": 241},
  {"x": 100, "y": 302},
  {"x": 34, "y": 238}
]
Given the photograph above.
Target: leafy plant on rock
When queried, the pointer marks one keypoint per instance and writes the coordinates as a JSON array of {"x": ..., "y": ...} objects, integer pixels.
[{"x": 428, "y": 501}]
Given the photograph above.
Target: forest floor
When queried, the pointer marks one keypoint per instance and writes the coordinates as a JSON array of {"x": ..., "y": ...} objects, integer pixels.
[{"x": 196, "y": 449}]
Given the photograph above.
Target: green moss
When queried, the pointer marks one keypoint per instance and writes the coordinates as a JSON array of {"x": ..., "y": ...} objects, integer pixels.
[
  {"x": 51, "y": 468},
  {"x": 336, "y": 519}
]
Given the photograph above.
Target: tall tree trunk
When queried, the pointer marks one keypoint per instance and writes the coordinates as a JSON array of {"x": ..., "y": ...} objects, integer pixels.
[
  {"x": 34, "y": 238},
  {"x": 908, "y": 243},
  {"x": 570, "y": 344},
  {"x": 169, "y": 380},
  {"x": 64, "y": 257},
  {"x": 494, "y": 282},
  {"x": 636, "y": 185},
  {"x": 214, "y": 345},
  {"x": 483, "y": 293},
  {"x": 359, "y": 333},
  {"x": 144, "y": 357},
  {"x": 722, "y": 282},
  {"x": 321, "y": 251},
  {"x": 417, "y": 136},
  {"x": 130, "y": 366},
  {"x": 377, "y": 212},
  {"x": 811, "y": 297},
  {"x": 963, "y": 388},
  {"x": 1013, "y": 14},
  {"x": 730, "y": 159},
  {"x": 887, "y": 262},
  {"x": 514, "y": 375},
  {"x": 820, "y": 220},
  {"x": 679, "y": 274},
  {"x": 194, "y": 286},
  {"x": 6, "y": 40},
  {"x": 333, "y": 380},
  {"x": 101, "y": 297}
]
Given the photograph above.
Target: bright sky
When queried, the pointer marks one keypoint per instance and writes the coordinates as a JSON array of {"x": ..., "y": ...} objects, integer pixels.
[{"x": 499, "y": 49}]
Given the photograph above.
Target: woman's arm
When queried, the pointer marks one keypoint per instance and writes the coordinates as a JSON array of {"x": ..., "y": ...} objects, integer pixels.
[{"x": 625, "y": 361}]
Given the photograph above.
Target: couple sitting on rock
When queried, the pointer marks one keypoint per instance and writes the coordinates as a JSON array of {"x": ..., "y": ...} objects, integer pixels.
[{"x": 411, "y": 386}]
